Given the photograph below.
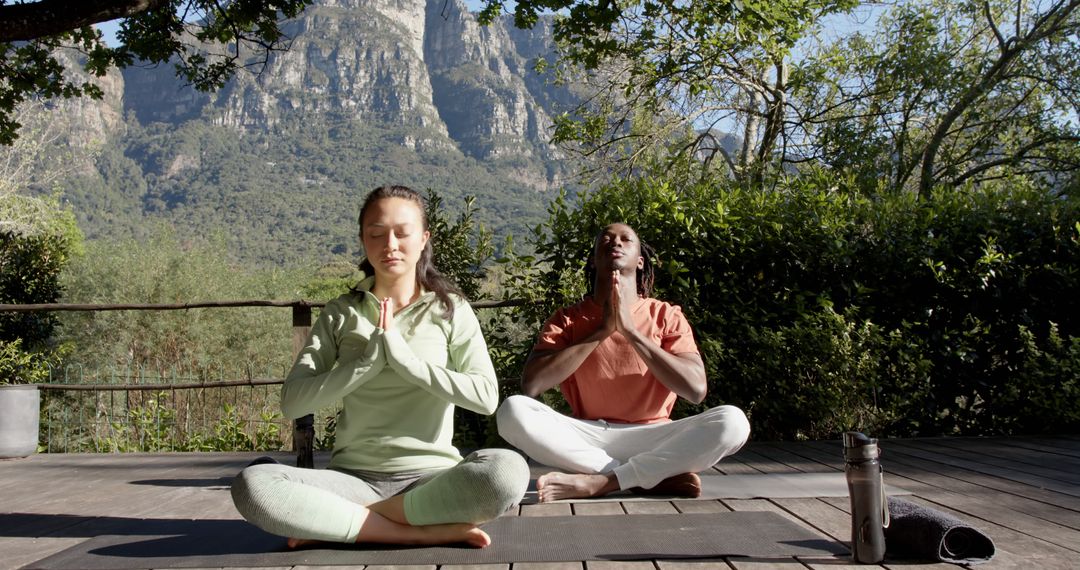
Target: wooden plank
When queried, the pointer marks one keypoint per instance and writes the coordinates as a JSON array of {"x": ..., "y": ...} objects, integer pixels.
[
  {"x": 732, "y": 465},
  {"x": 1055, "y": 446},
  {"x": 836, "y": 524},
  {"x": 953, "y": 460},
  {"x": 649, "y": 508},
  {"x": 18, "y": 551},
  {"x": 700, "y": 506},
  {"x": 703, "y": 564},
  {"x": 471, "y": 567},
  {"x": 595, "y": 508},
  {"x": 766, "y": 564},
  {"x": 1040, "y": 473},
  {"x": 547, "y": 510},
  {"x": 548, "y": 565},
  {"x": 798, "y": 463},
  {"x": 1047, "y": 505},
  {"x": 761, "y": 464},
  {"x": 838, "y": 564},
  {"x": 1063, "y": 465},
  {"x": 283, "y": 567},
  {"x": 618, "y": 565}
]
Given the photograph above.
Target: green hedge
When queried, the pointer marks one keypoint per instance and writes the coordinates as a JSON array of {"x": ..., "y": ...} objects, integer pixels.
[{"x": 818, "y": 310}]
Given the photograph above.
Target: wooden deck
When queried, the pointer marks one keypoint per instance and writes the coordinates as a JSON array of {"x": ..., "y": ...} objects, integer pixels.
[{"x": 1023, "y": 492}]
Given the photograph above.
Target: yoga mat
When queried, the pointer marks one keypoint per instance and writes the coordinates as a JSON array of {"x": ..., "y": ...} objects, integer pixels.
[
  {"x": 756, "y": 486},
  {"x": 515, "y": 539},
  {"x": 923, "y": 533}
]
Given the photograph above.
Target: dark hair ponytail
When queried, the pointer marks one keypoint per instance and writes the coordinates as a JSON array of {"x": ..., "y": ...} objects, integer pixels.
[{"x": 426, "y": 273}]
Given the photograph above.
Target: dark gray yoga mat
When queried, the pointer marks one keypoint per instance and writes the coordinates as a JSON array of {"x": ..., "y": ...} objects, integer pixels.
[{"x": 515, "y": 539}]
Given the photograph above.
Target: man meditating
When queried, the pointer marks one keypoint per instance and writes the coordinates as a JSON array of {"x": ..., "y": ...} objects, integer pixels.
[{"x": 620, "y": 358}]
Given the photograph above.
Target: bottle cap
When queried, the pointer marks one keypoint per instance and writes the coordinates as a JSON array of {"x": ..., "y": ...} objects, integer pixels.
[{"x": 858, "y": 446}]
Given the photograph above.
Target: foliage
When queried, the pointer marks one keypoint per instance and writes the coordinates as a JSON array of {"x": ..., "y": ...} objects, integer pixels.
[
  {"x": 946, "y": 92},
  {"x": 152, "y": 427},
  {"x": 819, "y": 310},
  {"x": 205, "y": 344},
  {"x": 18, "y": 366},
  {"x": 237, "y": 34},
  {"x": 460, "y": 250},
  {"x": 661, "y": 68},
  {"x": 32, "y": 255},
  {"x": 932, "y": 92}
]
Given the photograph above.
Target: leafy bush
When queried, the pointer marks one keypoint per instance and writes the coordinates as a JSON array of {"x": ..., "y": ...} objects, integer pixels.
[
  {"x": 18, "y": 366},
  {"x": 32, "y": 256}
]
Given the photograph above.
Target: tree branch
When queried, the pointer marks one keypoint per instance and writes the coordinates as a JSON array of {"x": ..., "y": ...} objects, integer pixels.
[
  {"x": 25, "y": 22},
  {"x": 1049, "y": 23}
]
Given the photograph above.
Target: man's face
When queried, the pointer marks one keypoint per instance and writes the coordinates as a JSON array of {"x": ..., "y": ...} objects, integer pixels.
[{"x": 617, "y": 249}]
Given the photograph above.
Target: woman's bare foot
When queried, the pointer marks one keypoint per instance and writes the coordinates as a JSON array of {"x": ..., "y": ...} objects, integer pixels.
[
  {"x": 554, "y": 486},
  {"x": 419, "y": 535},
  {"x": 453, "y": 534}
]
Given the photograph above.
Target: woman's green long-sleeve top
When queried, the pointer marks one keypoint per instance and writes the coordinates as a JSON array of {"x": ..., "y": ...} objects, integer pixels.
[{"x": 398, "y": 388}]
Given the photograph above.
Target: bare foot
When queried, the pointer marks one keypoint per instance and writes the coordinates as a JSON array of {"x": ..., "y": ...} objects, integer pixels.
[
  {"x": 432, "y": 534},
  {"x": 294, "y": 543},
  {"x": 452, "y": 534},
  {"x": 681, "y": 485},
  {"x": 555, "y": 486}
]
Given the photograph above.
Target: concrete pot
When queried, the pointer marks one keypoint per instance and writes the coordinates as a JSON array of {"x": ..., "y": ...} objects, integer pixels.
[{"x": 19, "y": 418}]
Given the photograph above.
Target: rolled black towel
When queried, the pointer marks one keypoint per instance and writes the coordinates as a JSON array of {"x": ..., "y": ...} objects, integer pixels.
[{"x": 920, "y": 532}]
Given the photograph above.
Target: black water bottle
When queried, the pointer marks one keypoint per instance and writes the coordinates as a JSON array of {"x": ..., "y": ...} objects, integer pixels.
[{"x": 869, "y": 514}]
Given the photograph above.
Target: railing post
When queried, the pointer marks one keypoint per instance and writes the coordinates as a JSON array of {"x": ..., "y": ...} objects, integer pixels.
[{"x": 304, "y": 428}]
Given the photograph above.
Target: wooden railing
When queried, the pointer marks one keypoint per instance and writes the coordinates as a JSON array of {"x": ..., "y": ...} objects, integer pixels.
[{"x": 303, "y": 428}]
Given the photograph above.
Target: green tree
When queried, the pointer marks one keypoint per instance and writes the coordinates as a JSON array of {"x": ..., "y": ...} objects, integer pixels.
[
  {"x": 207, "y": 41},
  {"x": 667, "y": 73},
  {"x": 38, "y": 238},
  {"x": 947, "y": 92}
]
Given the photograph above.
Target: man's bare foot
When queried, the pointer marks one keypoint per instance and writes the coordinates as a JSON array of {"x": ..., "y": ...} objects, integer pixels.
[
  {"x": 681, "y": 485},
  {"x": 294, "y": 543},
  {"x": 427, "y": 535},
  {"x": 555, "y": 486}
]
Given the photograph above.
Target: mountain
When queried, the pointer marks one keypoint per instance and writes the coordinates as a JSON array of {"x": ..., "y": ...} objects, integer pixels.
[{"x": 370, "y": 92}]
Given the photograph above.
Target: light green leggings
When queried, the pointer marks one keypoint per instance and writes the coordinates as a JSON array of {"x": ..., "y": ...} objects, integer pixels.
[{"x": 325, "y": 504}]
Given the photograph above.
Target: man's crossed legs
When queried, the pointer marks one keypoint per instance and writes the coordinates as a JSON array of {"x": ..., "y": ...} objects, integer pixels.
[{"x": 600, "y": 457}]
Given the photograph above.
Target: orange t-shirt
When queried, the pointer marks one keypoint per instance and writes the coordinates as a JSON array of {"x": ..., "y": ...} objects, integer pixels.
[{"x": 613, "y": 383}]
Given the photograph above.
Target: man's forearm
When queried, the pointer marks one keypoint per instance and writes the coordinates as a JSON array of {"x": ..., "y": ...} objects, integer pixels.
[
  {"x": 545, "y": 370},
  {"x": 683, "y": 374}
]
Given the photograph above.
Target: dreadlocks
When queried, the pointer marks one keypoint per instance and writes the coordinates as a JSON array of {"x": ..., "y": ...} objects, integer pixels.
[{"x": 646, "y": 276}]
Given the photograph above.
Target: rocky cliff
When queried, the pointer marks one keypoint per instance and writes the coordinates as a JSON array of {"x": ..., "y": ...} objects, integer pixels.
[
  {"x": 422, "y": 67},
  {"x": 370, "y": 92}
]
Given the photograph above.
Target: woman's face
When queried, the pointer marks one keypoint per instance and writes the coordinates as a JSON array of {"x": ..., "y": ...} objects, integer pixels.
[{"x": 394, "y": 236}]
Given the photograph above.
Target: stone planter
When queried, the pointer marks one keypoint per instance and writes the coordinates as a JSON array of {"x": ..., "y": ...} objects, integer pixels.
[{"x": 19, "y": 417}]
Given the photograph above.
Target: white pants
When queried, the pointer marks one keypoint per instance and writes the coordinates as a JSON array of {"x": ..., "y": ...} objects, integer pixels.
[{"x": 641, "y": 455}]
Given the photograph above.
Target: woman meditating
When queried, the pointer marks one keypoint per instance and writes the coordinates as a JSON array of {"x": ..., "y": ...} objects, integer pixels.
[{"x": 400, "y": 351}]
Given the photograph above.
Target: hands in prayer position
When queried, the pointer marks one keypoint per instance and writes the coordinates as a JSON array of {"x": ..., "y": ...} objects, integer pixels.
[{"x": 386, "y": 314}]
